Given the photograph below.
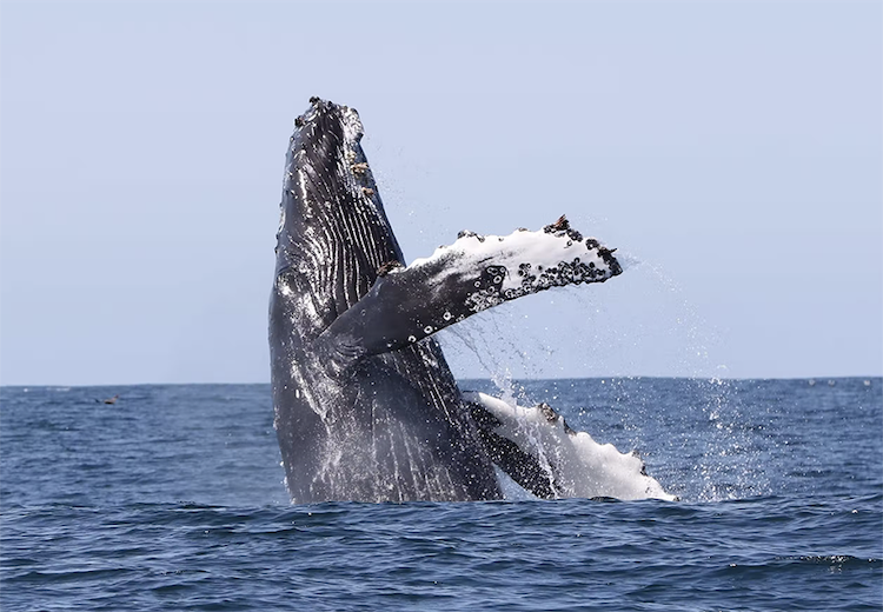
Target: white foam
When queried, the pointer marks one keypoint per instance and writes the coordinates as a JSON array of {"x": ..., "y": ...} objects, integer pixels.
[{"x": 579, "y": 466}]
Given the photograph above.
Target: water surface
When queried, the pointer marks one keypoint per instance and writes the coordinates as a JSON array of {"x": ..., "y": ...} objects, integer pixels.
[{"x": 173, "y": 498}]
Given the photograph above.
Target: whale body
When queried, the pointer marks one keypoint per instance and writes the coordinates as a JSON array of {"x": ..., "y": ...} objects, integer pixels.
[{"x": 366, "y": 407}]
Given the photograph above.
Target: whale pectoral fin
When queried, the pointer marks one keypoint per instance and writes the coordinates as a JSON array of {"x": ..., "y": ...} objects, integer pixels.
[
  {"x": 538, "y": 450},
  {"x": 521, "y": 466},
  {"x": 473, "y": 274}
]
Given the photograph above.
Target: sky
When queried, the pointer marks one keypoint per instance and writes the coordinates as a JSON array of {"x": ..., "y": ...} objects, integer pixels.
[{"x": 732, "y": 151}]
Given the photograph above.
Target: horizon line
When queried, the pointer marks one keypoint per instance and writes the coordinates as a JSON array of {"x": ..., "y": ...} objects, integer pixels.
[{"x": 468, "y": 378}]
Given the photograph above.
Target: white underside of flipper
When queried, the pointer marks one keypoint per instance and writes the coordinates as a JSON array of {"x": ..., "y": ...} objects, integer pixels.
[
  {"x": 577, "y": 465},
  {"x": 523, "y": 262}
]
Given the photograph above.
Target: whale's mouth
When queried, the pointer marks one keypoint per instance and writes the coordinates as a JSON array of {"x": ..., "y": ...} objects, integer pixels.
[
  {"x": 325, "y": 164},
  {"x": 328, "y": 132}
]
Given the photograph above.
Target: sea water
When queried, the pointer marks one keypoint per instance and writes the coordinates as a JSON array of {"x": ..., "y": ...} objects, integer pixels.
[{"x": 172, "y": 498}]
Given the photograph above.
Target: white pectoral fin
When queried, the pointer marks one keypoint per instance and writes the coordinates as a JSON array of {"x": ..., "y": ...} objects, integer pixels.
[
  {"x": 541, "y": 453},
  {"x": 473, "y": 274}
]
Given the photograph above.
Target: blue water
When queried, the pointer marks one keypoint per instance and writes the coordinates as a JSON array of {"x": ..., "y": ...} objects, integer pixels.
[{"x": 172, "y": 499}]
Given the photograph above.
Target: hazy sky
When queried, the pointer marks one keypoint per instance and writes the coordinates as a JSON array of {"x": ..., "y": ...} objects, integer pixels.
[{"x": 734, "y": 148}]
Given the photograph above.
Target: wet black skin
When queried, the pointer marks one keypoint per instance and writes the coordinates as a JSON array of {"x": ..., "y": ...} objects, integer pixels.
[{"x": 394, "y": 425}]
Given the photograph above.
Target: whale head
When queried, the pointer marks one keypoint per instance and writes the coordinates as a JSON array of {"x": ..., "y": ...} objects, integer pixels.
[{"x": 333, "y": 231}]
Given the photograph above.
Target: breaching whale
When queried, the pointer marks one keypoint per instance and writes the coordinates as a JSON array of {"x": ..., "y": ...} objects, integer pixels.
[{"x": 366, "y": 407}]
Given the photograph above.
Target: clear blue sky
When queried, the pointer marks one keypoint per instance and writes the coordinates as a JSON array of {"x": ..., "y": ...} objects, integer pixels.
[{"x": 734, "y": 148}]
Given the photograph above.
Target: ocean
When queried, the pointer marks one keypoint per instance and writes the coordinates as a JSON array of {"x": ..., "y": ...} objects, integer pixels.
[{"x": 173, "y": 499}]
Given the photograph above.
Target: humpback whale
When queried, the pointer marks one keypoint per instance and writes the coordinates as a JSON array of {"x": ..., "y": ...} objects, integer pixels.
[{"x": 365, "y": 405}]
